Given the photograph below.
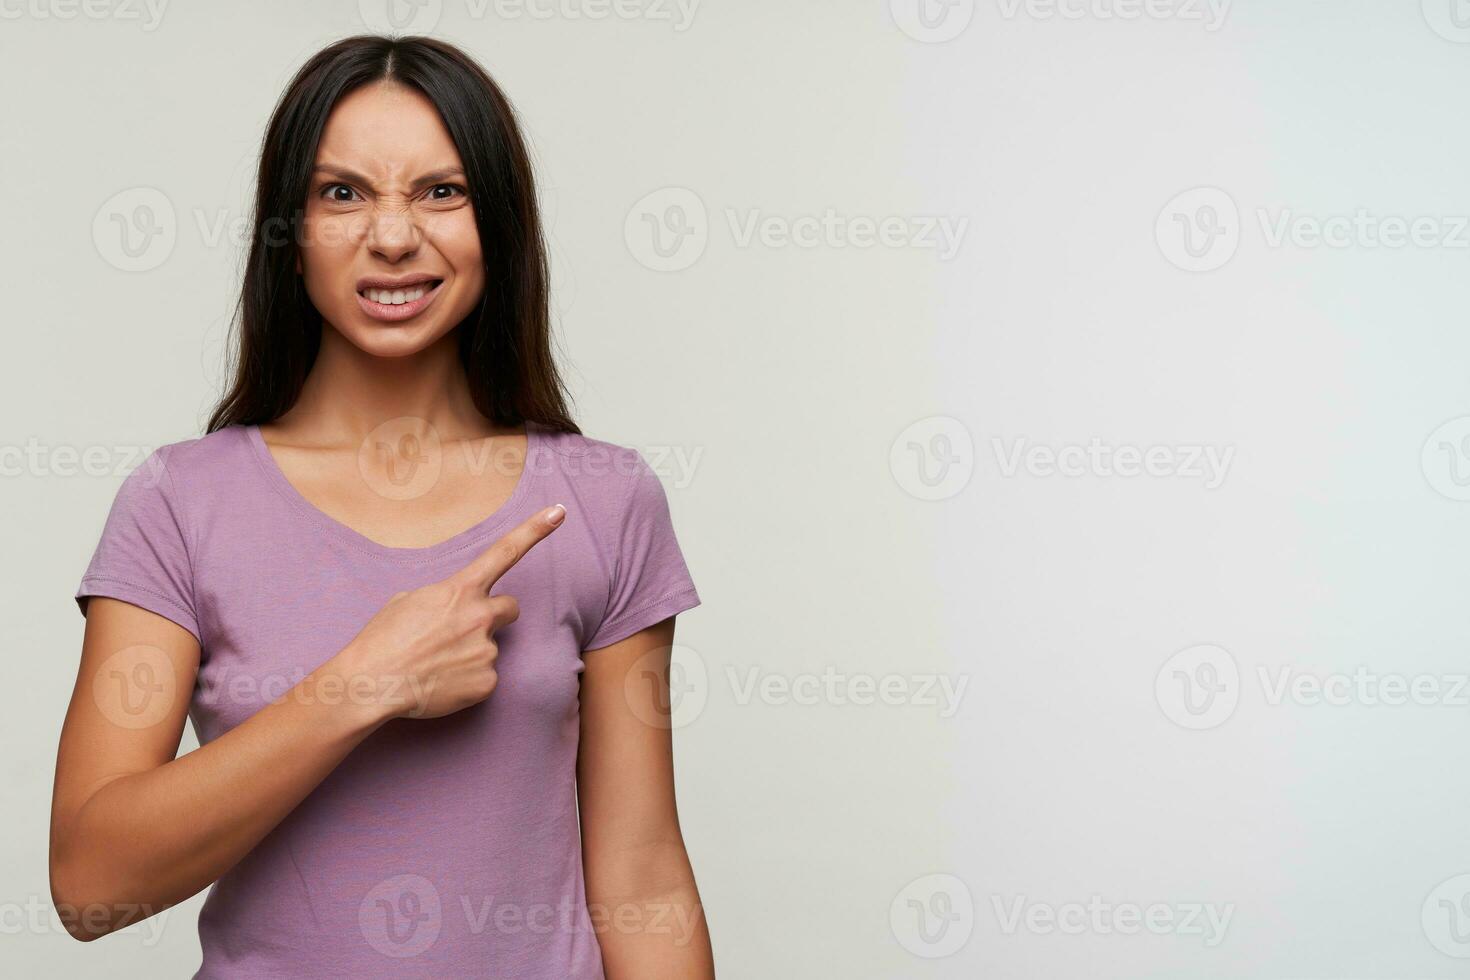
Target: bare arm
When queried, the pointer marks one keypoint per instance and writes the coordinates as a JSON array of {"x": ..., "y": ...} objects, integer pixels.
[
  {"x": 640, "y": 886},
  {"x": 135, "y": 830}
]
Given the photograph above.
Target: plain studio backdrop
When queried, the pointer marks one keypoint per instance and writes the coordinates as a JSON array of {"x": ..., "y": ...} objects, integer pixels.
[{"x": 1063, "y": 407}]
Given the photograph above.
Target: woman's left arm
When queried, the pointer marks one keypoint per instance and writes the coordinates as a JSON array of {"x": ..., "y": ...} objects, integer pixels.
[{"x": 640, "y": 887}]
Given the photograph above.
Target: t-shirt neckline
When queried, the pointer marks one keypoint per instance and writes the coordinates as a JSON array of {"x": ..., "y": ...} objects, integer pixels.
[{"x": 472, "y": 536}]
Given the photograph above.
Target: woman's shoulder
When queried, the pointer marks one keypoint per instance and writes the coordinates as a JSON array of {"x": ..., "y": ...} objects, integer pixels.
[
  {"x": 198, "y": 463},
  {"x": 595, "y": 469},
  {"x": 590, "y": 450}
]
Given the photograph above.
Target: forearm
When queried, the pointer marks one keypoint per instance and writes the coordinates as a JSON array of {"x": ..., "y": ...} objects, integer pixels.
[
  {"x": 650, "y": 921},
  {"x": 144, "y": 841}
]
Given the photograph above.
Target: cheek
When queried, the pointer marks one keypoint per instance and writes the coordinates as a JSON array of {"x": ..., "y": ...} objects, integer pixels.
[
  {"x": 455, "y": 237},
  {"x": 327, "y": 248}
]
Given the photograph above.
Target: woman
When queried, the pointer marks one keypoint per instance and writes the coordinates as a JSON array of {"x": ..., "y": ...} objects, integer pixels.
[{"x": 420, "y": 622}]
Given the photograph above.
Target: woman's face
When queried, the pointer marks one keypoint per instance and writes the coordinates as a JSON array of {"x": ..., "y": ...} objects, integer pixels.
[{"x": 391, "y": 255}]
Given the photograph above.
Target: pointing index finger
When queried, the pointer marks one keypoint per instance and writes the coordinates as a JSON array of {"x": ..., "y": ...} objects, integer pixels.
[{"x": 501, "y": 556}]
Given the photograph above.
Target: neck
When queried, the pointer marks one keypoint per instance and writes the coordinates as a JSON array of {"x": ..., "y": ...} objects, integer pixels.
[{"x": 350, "y": 392}]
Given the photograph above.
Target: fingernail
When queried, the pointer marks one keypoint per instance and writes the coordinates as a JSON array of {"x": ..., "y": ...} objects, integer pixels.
[{"x": 556, "y": 514}]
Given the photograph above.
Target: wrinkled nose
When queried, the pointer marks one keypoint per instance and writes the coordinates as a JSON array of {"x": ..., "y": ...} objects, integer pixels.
[{"x": 393, "y": 235}]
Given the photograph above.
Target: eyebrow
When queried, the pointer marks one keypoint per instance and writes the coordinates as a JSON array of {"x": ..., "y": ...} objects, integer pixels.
[{"x": 353, "y": 177}]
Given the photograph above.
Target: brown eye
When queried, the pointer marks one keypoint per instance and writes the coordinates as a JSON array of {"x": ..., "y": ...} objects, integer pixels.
[
  {"x": 339, "y": 193},
  {"x": 445, "y": 192}
]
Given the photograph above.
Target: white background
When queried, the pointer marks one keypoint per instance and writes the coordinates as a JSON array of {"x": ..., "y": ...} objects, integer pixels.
[{"x": 827, "y": 388}]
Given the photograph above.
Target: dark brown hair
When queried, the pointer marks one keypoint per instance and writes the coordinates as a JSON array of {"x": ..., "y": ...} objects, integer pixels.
[{"x": 505, "y": 344}]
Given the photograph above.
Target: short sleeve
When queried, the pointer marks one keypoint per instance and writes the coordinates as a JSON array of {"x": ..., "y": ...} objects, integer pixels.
[
  {"x": 143, "y": 556},
  {"x": 650, "y": 580}
]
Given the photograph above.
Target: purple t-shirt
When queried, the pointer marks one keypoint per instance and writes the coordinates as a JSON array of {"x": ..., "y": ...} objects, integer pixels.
[{"x": 444, "y": 847}]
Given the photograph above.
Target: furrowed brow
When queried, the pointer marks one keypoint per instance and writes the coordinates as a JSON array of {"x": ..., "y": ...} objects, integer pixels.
[
  {"x": 353, "y": 177},
  {"x": 438, "y": 176}
]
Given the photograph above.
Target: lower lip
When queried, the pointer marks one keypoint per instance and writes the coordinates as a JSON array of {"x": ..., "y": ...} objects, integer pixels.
[{"x": 400, "y": 311}]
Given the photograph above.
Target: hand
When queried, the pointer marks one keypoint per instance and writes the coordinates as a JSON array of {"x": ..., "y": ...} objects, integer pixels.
[{"x": 432, "y": 651}]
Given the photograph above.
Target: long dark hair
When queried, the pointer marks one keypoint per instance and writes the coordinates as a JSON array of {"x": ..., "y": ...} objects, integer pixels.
[{"x": 505, "y": 345}]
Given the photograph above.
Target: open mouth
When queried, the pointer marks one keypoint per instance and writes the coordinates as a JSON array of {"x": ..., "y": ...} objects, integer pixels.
[
  {"x": 397, "y": 297},
  {"x": 398, "y": 303}
]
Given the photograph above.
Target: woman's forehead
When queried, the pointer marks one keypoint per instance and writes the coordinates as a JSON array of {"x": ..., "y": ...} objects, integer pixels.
[{"x": 388, "y": 132}]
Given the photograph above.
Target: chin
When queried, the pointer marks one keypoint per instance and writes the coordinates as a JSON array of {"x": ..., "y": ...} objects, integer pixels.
[{"x": 393, "y": 340}]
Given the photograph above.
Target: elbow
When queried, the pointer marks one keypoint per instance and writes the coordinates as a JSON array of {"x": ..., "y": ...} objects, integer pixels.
[
  {"x": 98, "y": 887},
  {"x": 647, "y": 873},
  {"x": 73, "y": 891},
  {"x": 64, "y": 898}
]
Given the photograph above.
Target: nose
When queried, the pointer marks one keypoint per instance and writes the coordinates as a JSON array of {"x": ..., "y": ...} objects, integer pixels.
[{"x": 393, "y": 235}]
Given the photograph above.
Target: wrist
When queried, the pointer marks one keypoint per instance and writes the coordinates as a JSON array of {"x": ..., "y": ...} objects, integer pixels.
[{"x": 359, "y": 691}]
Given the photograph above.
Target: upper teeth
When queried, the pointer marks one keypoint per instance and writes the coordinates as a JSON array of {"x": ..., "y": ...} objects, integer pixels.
[{"x": 395, "y": 297}]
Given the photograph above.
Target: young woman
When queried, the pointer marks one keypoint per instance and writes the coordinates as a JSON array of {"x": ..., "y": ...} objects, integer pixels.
[{"x": 420, "y": 622}]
